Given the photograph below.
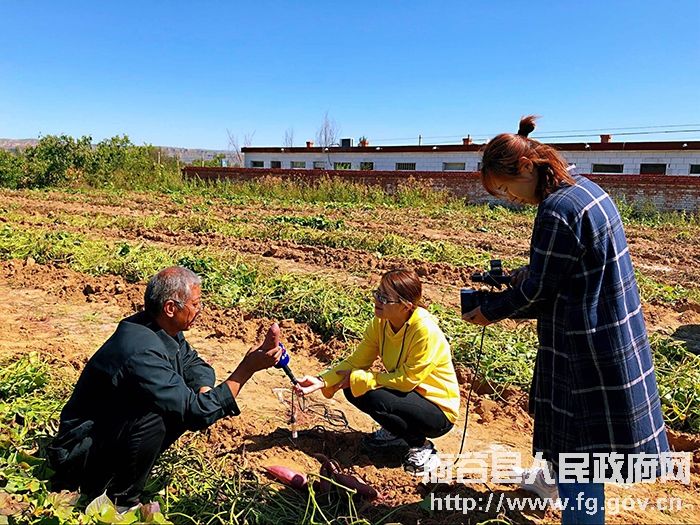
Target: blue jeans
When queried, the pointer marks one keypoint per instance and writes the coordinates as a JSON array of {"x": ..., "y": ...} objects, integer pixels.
[{"x": 585, "y": 503}]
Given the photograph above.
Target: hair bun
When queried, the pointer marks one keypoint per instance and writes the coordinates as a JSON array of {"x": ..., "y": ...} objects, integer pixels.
[{"x": 527, "y": 125}]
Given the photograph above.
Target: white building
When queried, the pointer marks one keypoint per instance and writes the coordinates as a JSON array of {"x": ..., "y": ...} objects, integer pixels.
[{"x": 663, "y": 158}]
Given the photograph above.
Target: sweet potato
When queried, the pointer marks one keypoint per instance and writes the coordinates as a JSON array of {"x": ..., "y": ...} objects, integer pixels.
[
  {"x": 322, "y": 459},
  {"x": 351, "y": 482},
  {"x": 329, "y": 465},
  {"x": 288, "y": 476},
  {"x": 324, "y": 484},
  {"x": 331, "y": 469}
]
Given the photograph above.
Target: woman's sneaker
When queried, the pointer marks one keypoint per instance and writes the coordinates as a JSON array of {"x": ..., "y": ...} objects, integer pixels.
[
  {"x": 382, "y": 438},
  {"x": 534, "y": 480},
  {"x": 422, "y": 460}
]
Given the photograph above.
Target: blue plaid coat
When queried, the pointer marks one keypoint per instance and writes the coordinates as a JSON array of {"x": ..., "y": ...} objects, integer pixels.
[{"x": 594, "y": 388}]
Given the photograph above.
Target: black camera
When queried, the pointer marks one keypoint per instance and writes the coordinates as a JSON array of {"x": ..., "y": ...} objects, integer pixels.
[
  {"x": 494, "y": 276},
  {"x": 470, "y": 298}
]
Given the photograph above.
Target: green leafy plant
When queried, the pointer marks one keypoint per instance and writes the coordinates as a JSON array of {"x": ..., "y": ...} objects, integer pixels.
[
  {"x": 315, "y": 222},
  {"x": 60, "y": 161},
  {"x": 22, "y": 377},
  {"x": 12, "y": 169},
  {"x": 678, "y": 377}
]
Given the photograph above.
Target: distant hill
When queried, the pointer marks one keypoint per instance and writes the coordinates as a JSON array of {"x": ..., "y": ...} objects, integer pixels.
[
  {"x": 11, "y": 144},
  {"x": 186, "y": 155}
]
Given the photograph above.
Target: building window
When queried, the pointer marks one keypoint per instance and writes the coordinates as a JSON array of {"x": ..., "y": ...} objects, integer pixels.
[
  {"x": 405, "y": 166},
  {"x": 652, "y": 169},
  {"x": 319, "y": 164},
  {"x": 607, "y": 168},
  {"x": 257, "y": 164},
  {"x": 453, "y": 166},
  {"x": 366, "y": 166},
  {"x": 342, "y": 166},
  {"x": 275, "y": 164},
  {"x": 298, "y": 164},
  {"x": 478, "y": 166},
  {"x": 694, "y": 169}
]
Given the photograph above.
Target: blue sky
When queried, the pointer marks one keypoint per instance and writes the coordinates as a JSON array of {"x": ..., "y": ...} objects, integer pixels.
[{"x": 183, "y": 73}]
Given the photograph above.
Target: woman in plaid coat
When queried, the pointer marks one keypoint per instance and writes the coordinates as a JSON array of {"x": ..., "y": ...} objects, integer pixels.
[{"x": 594, "y": 388}]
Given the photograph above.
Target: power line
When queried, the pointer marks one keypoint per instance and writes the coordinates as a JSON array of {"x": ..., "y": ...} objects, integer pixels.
[
  {"x": 652, "y": 130},
  {"x": 657, "y": 132},
  {"x": 632, "y": 127}
]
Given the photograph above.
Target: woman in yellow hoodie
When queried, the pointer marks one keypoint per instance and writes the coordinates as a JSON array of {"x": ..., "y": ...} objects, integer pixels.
[{"x": 417, "y": 395}]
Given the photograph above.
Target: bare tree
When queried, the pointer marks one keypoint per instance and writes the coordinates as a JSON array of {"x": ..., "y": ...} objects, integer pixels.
[
  {"x": 329, "y": 133},
  {"x": 288, "y": 138},
  {"x": 234, "y": 147}
]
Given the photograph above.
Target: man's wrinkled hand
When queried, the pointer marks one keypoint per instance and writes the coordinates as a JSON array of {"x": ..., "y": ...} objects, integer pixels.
[{"x": 256, "y": 360}]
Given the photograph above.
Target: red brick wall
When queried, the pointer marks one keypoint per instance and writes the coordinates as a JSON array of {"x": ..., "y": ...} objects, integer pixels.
[{"x": 664, "y": 192}]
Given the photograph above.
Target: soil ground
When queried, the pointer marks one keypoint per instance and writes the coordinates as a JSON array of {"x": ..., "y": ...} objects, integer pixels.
[
  {"x": 46, "y": 311},
  {"x": 67, "y": 315}
]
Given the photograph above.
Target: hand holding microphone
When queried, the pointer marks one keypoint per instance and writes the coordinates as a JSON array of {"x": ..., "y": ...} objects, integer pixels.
[{"x": 283, "y": 363}]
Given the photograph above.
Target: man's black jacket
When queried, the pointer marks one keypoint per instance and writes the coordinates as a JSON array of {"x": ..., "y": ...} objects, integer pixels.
[{"x": 140, "y": 369}]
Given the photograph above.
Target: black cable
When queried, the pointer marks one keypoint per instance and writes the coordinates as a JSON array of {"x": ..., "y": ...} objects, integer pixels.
[
  {"x": 292, "y": 416},
  {"x": 471, "y": 389},
  {"x": 334, "y": 417},
  {"x": 381, "y": 348}
]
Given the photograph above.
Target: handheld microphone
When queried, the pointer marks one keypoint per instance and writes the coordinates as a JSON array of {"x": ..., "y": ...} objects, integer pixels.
[{"x": 283, "y": 363}]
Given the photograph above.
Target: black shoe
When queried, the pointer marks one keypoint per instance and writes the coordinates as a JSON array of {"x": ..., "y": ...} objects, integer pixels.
[{"x": 381, "y": 439}]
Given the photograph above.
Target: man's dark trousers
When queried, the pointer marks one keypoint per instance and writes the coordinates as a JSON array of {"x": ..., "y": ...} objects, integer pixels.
[{"x": 122, "y": 457}]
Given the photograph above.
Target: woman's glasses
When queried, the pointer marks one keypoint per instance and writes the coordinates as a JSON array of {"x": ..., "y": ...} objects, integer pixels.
[{"x": 382, "y": 298}]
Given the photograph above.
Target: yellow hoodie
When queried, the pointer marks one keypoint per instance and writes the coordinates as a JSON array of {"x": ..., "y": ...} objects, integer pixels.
[{"x": 416, "y": 357}]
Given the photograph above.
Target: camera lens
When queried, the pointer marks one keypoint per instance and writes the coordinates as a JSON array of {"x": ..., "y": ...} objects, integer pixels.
[{"x": 469, "y": 299}]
